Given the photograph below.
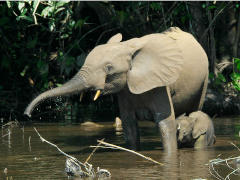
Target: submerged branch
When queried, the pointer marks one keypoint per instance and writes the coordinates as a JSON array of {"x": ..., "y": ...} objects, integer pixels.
[
  {"x": 94, "y": 150},
  {"x": 54, "y": 145},
  {"x": 128, "y": 150},
  {"x": 74, "y": 167},
  {"x": 225, "y": 162}
]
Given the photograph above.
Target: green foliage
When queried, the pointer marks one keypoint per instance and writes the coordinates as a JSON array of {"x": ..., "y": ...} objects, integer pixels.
[
  {"x": 43, "y": 43},
  {"x": 36, "y": 36},
  {"x": 235, "y": 76},
  {"x": 50, "y": 24},
  {"x": 219, "y": 80}
]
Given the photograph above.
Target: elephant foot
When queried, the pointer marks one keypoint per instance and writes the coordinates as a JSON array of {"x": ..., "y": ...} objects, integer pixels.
[
  {"x": 133, "y": 140},
  {"x": 168, "y": 134},
  {"x": 132, "y": 137},
  {"x": 134, "y": 145}
]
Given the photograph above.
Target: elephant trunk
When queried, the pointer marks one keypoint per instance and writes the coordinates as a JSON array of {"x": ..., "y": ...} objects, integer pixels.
[
  {"x": 180, "y": 137},
  {"x": 75, "y": 85}
]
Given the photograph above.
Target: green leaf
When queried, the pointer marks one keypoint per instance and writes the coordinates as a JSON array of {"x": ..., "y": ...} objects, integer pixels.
[
  {"x": 60, "y": 53},
  {"x": 211, "y": 75},
  {"x": 64, "y": 36},
  {"x": 72, "y": 23},
  {"x": 8, "y": 4},
  {"x": 58, "y": 85},
  {"x": 21, "y": 5},
  {"x": 45, "y": 85},
  {"x": 221, "y": 77},
  {"x": 236, "y": 84},
  {"x": 47, "y": 11},
  {"x": 238, "y": 66},
  {"x": 211, "y": 7},
  {"x": 60, "y": 9},
  {"x": 25, "y": 18},
  {"x": 62, "y": 3},
  {"x": 24, "y": 71},
  {"x": 52, "y": 25},
  {"x": 44, "y": 12},
  {"x": 35, "y": 4},
  {"x": 236, "y": 60},
  {"x": 24, "y": 12},
  {"x": 235, "y": 76}
]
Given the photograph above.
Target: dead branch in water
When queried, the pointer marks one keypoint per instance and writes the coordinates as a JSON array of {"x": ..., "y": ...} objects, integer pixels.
[
  {"x": 74, "y": 167},
  {"x": 29, "y": 143},
  {"x": 54, "y": 145},
  {"x": 231, "y": 163},
  {"x": 94, "y": 150},
  {"x": 112, "y": 146}
]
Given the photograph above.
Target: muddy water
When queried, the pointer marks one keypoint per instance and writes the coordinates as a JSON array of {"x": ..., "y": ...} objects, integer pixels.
[{"x": 37, "y": 160}]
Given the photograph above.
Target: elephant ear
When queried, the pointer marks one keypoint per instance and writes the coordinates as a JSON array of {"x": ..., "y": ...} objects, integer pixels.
[
  {"x": 115, "y": 39},
  {"x": 201, "y": 124},
  {"x": 199, "y": 128},
  {"x": 157, "y": 61},
  {"x": 181, "y": 116}
]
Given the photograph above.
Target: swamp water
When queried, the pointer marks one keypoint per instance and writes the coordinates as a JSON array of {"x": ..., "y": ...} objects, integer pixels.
[{"x": 42, "y": 161}]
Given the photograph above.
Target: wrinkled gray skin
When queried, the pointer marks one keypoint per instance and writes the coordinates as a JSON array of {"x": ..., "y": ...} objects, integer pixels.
[
  {"x": 161, "y": 74},
  {"x": 184, "y": 131},
  {"x": 195, "y": 130}
]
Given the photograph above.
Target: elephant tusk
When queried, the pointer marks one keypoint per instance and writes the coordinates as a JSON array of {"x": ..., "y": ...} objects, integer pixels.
[
  {"x": 179, "y": 127},
  {"x": 97, "y": 95},
  {"x": 81, "y": 96}
]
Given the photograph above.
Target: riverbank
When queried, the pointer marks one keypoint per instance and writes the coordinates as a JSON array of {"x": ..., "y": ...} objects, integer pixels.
[{"x": 222, "y": 102}]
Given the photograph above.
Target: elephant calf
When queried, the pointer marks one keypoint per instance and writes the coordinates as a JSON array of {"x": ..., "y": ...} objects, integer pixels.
[{"x": 195, "y": 130}]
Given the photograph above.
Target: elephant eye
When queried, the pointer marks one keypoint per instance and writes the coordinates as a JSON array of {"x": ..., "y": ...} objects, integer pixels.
[{"x": 108, "y": 68}]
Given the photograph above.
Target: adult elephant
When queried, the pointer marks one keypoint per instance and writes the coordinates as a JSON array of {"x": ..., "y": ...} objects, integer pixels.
[{"x": 163, "y": 75}]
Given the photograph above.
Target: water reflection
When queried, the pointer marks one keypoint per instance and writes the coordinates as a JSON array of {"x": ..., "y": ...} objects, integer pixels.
[{"x": 37, "y": 160}]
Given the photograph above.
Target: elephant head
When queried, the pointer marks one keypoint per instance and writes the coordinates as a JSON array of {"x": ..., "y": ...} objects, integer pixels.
[
  {"x": 203, "y": 126},
  {"x": 135, "y": 63},
  {"x": 196, "y": 129},
  {"x": 185, "y": 126}
]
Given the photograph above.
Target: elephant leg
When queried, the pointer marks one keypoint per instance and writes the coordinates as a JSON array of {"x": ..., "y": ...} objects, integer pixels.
[
  {"x": 203, "y": 94},
  {"x": 165, "y": 118},
  {"x": 129, "y": 120},
  {"x": 167, "y": 129},
  {"x": 131, "y": 132},
  {"x": 200, "y": 142}
]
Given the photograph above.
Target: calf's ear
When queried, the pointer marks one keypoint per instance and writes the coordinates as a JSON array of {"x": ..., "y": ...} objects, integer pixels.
[
  {"x": 199, "y": 129},
  {"x": 115, "y": 39}
]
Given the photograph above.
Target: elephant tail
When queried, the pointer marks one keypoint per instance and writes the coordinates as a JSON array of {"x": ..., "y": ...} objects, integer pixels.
[{"x": 204, "y": 91}]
